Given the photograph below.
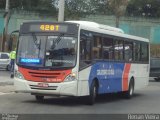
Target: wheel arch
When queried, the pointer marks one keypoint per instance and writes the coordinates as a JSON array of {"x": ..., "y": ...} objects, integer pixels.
[{"x": 96, "y": 81}]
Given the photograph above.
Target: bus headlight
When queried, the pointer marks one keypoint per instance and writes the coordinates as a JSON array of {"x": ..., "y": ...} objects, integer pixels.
[
  {"x": 70, "y": 77},
  {"x": 19, "y": 75}
]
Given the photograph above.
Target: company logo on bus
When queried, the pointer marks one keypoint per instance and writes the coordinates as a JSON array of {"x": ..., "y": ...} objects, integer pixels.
[
  {"x": 44, "y": 79},
  {"x": 105, "y": 72}
]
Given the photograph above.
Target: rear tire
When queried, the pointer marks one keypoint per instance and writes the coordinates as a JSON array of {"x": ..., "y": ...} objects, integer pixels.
[
  {"x": 39, "y": 98},
  {"x": 93, "y": 93},
  {"x": 128, "y": 94}
]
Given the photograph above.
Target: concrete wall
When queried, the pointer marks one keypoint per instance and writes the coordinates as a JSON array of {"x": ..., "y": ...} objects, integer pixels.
[
  {"x": 148, "y": 28},
  {"x": 18, "y": 17}
]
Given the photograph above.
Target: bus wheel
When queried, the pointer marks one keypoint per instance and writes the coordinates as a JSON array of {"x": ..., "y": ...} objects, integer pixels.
[
  {"x": 39, "y": 98},
  {"x": 128, "y": 94},
  {"x": 93, "y": 93}
]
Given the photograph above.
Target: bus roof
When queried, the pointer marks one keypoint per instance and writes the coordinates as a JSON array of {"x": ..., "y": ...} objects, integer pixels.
[
  {"x": 99, "y": 28},
  {"x": 95, "y": 27}
]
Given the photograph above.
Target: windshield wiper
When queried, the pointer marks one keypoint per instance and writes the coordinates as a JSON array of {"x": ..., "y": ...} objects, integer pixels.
[
  {"x": 57, "y": 40},
  {"x": 36, "y": 41}
]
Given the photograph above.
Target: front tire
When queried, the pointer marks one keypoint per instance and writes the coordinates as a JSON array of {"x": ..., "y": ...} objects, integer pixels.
[{"x": 93, "y": 93}]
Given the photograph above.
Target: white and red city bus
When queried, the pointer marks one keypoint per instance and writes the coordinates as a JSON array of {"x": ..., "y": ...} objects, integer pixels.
[{"x": 79, "y": 58}]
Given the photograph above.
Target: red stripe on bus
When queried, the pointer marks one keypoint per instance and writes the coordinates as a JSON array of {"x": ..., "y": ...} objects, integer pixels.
[{"x": 125, "y": 77}]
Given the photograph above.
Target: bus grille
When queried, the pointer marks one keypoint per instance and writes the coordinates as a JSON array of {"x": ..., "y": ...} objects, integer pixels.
[
  {"x": 50, "y": 76},
  {"x": 44, "y": 75}
]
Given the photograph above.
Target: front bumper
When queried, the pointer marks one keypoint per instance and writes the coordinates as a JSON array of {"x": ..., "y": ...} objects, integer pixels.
[
  {"x": 4, "y": 65},
  {"x": 58, "y": 89}
]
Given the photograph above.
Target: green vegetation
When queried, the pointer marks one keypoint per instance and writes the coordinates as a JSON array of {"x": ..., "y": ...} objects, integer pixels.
[{"x": 80, "y": 8}]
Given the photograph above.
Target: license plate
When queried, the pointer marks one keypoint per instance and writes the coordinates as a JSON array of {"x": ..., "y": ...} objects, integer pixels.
[{"x": 44, "y": 85}]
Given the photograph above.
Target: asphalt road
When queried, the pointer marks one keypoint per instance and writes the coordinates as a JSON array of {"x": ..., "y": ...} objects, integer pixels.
[
  {"x": 144, "y": 101},
  {"x": 5, "y": 78}
]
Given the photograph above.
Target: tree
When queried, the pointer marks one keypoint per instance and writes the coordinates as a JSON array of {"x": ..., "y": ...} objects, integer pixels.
[
  {"x": 118, "y": 7},
  {"x": 98, "y": 7},
  {"x": 46, "y": 7},
  {"x": 144, "y": 8},
  {"x": 42, "y": 7},
  {"x": 75, "y": 9}
]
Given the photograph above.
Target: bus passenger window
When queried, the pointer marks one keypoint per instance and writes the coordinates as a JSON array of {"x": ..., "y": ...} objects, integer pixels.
[
  {"x": 128, "y": 51},
  {"x": 85, "y": 50},
  {"x": 136, "y": 52},
  {"x": 118, "y": 50},
  {"x": 144, "y": 52},
  {"x": 97, "y": 48},
  {"x": 108, "y": 48}
]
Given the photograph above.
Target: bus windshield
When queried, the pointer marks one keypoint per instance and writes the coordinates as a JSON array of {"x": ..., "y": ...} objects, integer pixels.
[{"x": 47, "y": 51}]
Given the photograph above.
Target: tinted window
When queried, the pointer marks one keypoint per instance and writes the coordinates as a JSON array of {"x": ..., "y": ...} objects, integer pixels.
[
  {"x": 128, "y": 51},
  {"x": 118, "y": 50},
  {"x": 97, "y": 48},
  {"x": 137, "y": 49},
  {"x": 4, "y": 56},
  {"x": 85, "y": 48},
  {"x": 144, "y": 52},
  {"x": 108, "y": 49}
]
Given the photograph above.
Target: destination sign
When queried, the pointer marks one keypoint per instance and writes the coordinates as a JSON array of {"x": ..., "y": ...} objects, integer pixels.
[{"x": 48, "y": 28}]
